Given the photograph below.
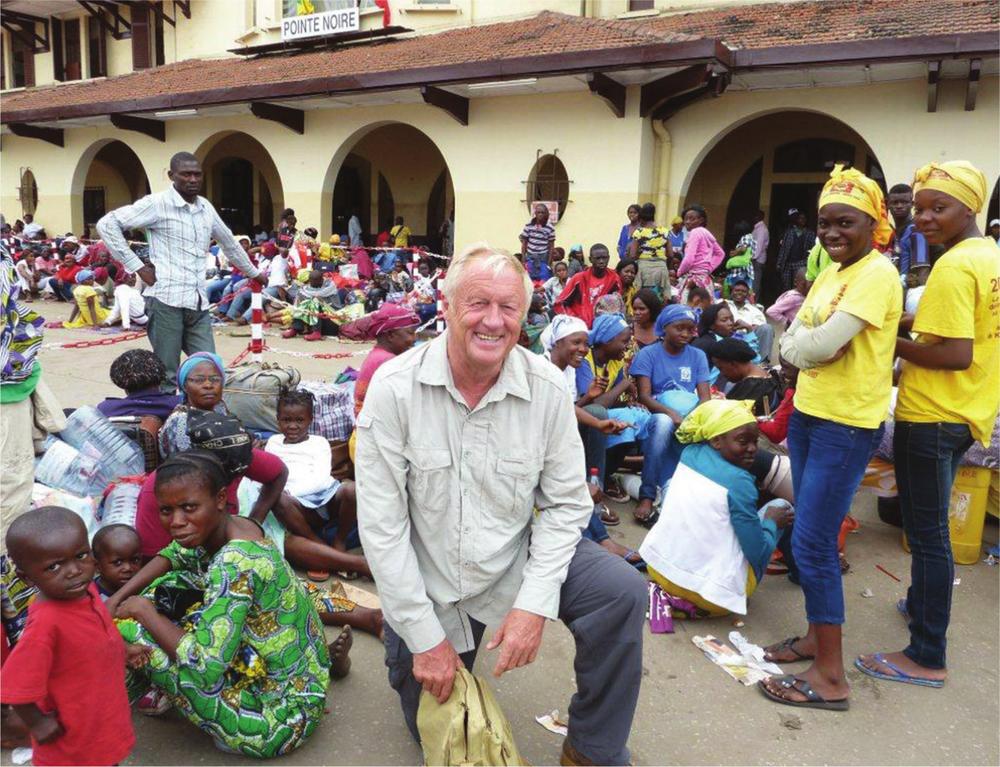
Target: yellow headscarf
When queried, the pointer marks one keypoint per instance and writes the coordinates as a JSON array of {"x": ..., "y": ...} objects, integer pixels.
[
  {"x": 715, "y": 417},
  {"x": 854, "y": 188},
  {"x": 957, "y": 178}
]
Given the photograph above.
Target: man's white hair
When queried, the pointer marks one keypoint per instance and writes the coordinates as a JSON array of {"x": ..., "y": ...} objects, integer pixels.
[{"x": 495, "y": 260}]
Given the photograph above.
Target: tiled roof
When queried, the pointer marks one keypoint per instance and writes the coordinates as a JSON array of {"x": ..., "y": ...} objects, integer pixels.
[
  {"x": 546, "y": 33},
  {"x": 547, "y": 43},
  {"x": 831, "y": 21}
]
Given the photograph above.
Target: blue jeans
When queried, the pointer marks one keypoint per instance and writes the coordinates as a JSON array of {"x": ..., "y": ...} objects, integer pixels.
[
  {"x": 661, "y": 452},
  {"x": 927, "y": 457},
  {"x": 63, "y": 290},
  {"x": 828, "y": 463},
  {"x": 272, "y": 292},
  {"x": 595, "y": 530},
  {"x": 215, "y": 288}
]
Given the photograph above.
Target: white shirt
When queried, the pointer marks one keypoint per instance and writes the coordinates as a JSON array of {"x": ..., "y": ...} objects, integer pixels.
[
  {"x": 31, "y": 230},
  {"x": 179, "y": 235},
  {"x": 309, "y": 463},
  {"x": 749, "y": 314},
  {"x": 446, "y": 495},
  {"x": 129, "y": 307},
  {"x": 277, "y": 273},
  {"x": 354, "y": 231}
]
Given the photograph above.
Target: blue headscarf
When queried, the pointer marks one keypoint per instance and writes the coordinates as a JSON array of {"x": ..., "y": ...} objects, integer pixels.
[
  {"x": 606, "y": 327},
  {"x": 672, "y": 313},
  {"x": 83, "y": 274},
  {"x": 196, "y": 359}
]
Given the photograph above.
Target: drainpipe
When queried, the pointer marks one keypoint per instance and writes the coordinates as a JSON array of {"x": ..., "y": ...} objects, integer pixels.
[{"x": 661, "y": 177}]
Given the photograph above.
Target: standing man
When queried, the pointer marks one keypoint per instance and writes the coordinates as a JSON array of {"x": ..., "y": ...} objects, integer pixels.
[
  {"x": 181, "y": 225},
  {"x": 761, "y": 239},
  {"x": 909, "y": 248},
  {"x": 354, "y": 230},
  {"x": 538, "y": 238},
  {"x": 458, "y": 442}
]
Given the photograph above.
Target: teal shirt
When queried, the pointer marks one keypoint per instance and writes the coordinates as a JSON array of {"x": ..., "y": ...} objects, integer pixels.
[{"x": 757, "y": 537}]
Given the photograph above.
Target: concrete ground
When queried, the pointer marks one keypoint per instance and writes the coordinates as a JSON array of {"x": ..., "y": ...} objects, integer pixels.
[{"x": 690, "y": 711}]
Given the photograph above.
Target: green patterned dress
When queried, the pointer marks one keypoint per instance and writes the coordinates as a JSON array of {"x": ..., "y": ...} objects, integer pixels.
[{"x": 252, "y": 668}]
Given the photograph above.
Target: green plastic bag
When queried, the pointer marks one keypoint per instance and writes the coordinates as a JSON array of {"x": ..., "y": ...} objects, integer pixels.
[{"x": 468, "y": 729}]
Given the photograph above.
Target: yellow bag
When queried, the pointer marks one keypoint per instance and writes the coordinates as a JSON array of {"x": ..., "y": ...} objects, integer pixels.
[{"x": 469, "y": 729}]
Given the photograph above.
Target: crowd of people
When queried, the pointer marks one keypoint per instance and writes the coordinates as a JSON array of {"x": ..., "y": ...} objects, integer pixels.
[{"x": 485, "y": 456}]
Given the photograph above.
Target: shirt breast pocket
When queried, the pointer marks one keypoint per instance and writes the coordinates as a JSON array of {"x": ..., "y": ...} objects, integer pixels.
[
  {"x": 516, "y": 480},
  {"x": 429, "y": 479}
]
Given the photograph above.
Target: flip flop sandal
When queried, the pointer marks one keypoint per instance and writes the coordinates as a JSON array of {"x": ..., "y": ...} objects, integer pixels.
[
  {"x": 639, "y": 564},
  {"x": 346, "y": 576},
  {"x": 788, "y": 644},
  {"x": 608, "y": 517},
  {"x": 318, "y": 576},
  {"x": 614, "y": 492},
  {"x": 649, "y": 521},
  {"x": 813, "y": 699},
  {"x": 898, "y": 676}
]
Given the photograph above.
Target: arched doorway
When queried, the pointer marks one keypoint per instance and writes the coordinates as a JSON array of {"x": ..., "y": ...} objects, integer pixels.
[
  {"x": 385, "y": 171},
  {"x": 108, "y": 176},
  {"x": 241, "y": 181},
  {"x": 774, "y": 162}
]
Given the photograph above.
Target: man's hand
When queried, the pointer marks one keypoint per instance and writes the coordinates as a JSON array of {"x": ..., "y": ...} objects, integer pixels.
[
  {"x": 840, "y": 353},
  {"x": 147, "y": 273},
  {"x": 435, "y": 669},
  {"x": 519, "y": 638},
  {"x": 46, "y": 728},
  {"x": 611, "y": 426},
  {"x": 906, "y": 321}
]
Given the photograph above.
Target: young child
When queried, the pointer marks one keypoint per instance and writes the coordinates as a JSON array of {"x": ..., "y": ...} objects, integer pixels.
[
  {"x": 314, "y": 495},
  {"x": 66, "y": 676},
  {"x": 699, "y": 300},
  {"x": 709, "y": 553},
  {"x": 401, "y": 280},
  {"x": 916, "y": 281},
  {"x": 118, "y": 554},
  {"x": 537, "y": 312}
]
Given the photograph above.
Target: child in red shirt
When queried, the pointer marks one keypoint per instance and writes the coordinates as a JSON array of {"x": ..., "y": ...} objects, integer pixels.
[{"x": 66, "y": 676}]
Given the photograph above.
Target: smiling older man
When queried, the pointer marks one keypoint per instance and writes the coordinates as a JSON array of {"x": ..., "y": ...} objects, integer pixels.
[{"x": 459, "y": 442}]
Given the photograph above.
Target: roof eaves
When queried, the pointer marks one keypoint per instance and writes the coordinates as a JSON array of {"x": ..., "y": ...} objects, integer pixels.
[{"x": 546, "y": 65}]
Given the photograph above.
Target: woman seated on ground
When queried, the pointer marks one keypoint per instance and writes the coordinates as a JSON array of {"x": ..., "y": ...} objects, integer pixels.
[
  {"x": 646, "y": 307},
  {"x": 88, "y": 312},
  {"x": 628, "y": 270},
  {"x": 140, "y": 374},
  {"x": 566, "y": 345},
  {"x": 735, "y": 360},
  {"x": 717, "y": 322},
  {"x": 249, "y": 664},
  {"x": 202, "y": 419},
  {"x": 710, "y": 552},
  {"x": 318, "y": 297}
]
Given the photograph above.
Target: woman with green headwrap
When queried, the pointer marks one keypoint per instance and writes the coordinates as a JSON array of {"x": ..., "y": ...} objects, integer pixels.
[{"x": 709, "y": 553}]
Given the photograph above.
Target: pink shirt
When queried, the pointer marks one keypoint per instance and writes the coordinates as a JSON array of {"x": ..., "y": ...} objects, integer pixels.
[
  {"x": 375, "y": 359},
  {"x": 702, "y": 254},
  {"x": 786, "y": 307}
]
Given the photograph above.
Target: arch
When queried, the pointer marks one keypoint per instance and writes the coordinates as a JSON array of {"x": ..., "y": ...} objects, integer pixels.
[
  {"x": 241, "y": 180},
  {"x": 718, "y": 137},
  {"x": 28, "y": 193},
  {"x": 774, "y": 161},
  {"x": 403, "y": 164},
  {"x": 548, "y": 181},
  {"x": 115, "y": 176}
]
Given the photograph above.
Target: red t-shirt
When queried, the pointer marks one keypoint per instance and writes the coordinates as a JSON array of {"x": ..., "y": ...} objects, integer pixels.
[
  {"x": 582, "y": 291},
  {"x": 71, "y": 660},
  {"x": 67, "y": 274},
  {"x": 264, "y": 468}
]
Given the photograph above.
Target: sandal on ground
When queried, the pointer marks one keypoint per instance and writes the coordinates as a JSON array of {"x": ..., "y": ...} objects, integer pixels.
[
  {"x": 813, "y": 698},
  {"x": 787, "y": 644},
  {"x": 317, "y": 576},
  {"x": 633, "y": 558},
  {"x": 649, "y": 521},
  {"x": 608, "y": 517},
  {"x": 615, "y": 492},
  {"x": 898, "y": 674},
  {"x": 344, "y": 575}
]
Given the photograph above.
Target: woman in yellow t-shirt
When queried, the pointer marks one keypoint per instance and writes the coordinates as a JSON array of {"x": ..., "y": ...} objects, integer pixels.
[
  {"x": 88, "y": 312},
  {"x": 843, "y": 340},
  {"x": 949, "y": 393}
]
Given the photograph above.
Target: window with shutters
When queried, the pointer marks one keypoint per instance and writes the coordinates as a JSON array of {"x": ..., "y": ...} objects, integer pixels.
[
  {"x": 141, "y": 39},
  {"x": 97, "y": 51},
  {"x": 22, "y": 62},
  {"x": 640, "y": 5},
  {"x": 73, "y": 50}
]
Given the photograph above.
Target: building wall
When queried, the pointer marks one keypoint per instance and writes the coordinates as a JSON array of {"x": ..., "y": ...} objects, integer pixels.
[
  {"x": 611, "y": 162},
  {"x": 116, "y": 191}
]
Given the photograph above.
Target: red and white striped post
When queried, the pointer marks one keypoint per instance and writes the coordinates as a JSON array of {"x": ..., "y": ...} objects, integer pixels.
[{"x": 256, "y": 321}]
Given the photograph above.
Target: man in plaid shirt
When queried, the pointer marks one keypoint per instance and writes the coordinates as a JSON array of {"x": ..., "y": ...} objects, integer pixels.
[{"x": 180, "y": 226}]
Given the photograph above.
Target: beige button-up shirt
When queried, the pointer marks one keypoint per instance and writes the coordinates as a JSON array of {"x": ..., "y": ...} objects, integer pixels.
[{"x": 446, "y": 495}]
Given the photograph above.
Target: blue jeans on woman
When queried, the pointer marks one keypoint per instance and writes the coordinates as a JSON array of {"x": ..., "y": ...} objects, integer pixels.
[
  {"x": 661, "y": 453},
  {"x": 927, "y": 456},
  {"x": 828, "y": 463}
]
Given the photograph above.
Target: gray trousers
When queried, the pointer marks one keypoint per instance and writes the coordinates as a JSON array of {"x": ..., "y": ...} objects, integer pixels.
[
  {"x": 603, "y": 603},
  {"x": 172, "y": 330},
  {"x": 653, "y": 273},
  {"x": 765, "y": 337}
]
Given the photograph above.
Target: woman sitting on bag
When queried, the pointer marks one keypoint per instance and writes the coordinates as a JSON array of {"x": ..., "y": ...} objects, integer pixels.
[{"x": 202, "y": 421}]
